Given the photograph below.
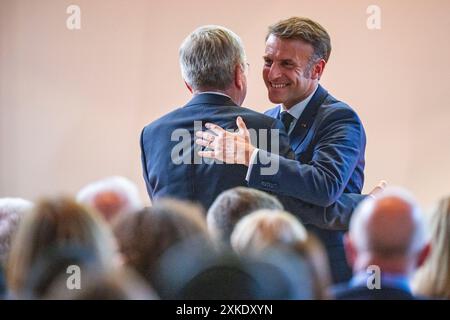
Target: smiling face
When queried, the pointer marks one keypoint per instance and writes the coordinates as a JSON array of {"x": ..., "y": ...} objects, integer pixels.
[{"x": 286, "y": 71}]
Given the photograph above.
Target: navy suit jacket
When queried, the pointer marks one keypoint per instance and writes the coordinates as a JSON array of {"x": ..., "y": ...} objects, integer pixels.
[
  {"x": 329, "y": 144},
  {"x": 173, "y": 137}
]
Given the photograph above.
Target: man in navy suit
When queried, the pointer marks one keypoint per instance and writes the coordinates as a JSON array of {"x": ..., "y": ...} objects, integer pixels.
[
  {"x": 325, "y": 134},
  {"x": 213, "y": 65},
  {"x": 385, "y": 245}
]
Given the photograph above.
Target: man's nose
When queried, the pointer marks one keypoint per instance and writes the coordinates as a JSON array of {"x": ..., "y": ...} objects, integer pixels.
[{"x": 274, "y": 72}]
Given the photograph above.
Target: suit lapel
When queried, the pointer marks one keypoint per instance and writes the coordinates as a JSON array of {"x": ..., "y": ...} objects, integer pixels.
[{"x": 306, "y": 119}]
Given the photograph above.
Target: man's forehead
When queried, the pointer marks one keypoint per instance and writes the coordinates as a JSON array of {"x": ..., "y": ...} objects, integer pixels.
[{"x": 287, "y": 49}]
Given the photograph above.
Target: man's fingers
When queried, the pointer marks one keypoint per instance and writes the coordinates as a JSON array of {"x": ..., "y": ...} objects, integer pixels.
[
  {"x": 379, "y": 188},
  {"x": 204, "y": 143},
  {"x": 214, "y": 128},
  {"x": 207, "y": 154},
  {"x": 205, "y": 135}
]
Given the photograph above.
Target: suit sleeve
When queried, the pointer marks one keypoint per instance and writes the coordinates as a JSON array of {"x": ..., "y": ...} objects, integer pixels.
[
  {"x": 334, "y": 217},
  {"x": 338, "y": 143},
  {"x": 144, "y": 164}
]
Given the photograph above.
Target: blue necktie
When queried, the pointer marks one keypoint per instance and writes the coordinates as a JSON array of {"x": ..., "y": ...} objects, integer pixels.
[{"x": 287, "y": 119}]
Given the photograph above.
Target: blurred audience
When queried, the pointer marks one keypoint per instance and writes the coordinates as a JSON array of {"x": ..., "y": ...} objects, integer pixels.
[
  {"x": 145, "y": 235},
  {"x": 266, "y": 229},
  {"x": 121, "y": 284},
  {"x": 233, "y": 204},
  {"x": 166, "y": 251},
  {"x": 433, "y": 278},
  {"x": 222, "y": 275},
  {"x": 111, "y": 197},
  {"x": 387, "y": 234},
  {"x": 52, "y": 224}
]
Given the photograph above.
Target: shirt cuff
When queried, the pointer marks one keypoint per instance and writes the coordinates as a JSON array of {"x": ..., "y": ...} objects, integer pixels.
[{"x": 250, "y": 166}]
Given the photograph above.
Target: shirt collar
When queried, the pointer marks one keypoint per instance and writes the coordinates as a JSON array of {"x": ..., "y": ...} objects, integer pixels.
[
  {"x": 214, "y": 92},
  {"x": 297, "y": 109}
]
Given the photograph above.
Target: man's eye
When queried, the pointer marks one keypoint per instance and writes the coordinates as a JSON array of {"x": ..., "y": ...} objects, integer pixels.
[{"x": 267, "y": 63}]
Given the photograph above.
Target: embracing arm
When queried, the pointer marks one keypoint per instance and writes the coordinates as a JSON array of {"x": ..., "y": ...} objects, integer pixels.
[{"x": 322, "y": 180}]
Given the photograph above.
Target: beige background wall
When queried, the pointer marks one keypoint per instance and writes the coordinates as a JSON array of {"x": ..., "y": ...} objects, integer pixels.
[{"x": 72, "y": 103}]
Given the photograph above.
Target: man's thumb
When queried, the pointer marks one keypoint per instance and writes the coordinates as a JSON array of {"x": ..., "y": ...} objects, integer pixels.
[{"x": 241, "y": 125}]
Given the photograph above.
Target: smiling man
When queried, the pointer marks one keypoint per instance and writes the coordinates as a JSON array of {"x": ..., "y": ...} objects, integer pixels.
[{"x": 325, "y": 134}]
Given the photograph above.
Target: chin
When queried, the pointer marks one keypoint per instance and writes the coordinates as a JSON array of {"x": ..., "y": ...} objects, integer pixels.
[{"x": 275, "y": 99}]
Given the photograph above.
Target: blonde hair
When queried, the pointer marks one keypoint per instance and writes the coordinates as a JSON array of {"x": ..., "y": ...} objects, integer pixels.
[
  {"x": 265, "y": 228},
  {"x": 433, "y": 278},
  {"x": 51, "y": 224}
]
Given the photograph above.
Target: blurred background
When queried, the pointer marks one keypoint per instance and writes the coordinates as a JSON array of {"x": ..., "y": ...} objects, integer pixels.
[{"x": 73, "y": 102}]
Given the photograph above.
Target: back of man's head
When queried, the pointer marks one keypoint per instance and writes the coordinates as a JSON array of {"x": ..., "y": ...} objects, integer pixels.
[
  {"x": 209, "y": 56},
  {"x": 111, "y": 196},
  {"x": 231, "y": 205},
  {"x": 389, "y": 231}
]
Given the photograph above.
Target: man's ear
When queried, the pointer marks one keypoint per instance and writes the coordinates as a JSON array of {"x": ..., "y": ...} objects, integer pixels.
[
  {"x": 350, "y": 251},
  {"x": 423, "y": 255},
  {"x": 188, "y": 86},
  {"x": 238, "y": 77},
  {"x": 317, "y": 69}
]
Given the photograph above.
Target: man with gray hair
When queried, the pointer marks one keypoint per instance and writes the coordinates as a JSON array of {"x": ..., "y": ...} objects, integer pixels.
[
  {"x": 232, "y": 205},
  {"x": 386, "y": 243},
  {"x": 111, "y": 197},
  {"x": 213, "y": 65}
]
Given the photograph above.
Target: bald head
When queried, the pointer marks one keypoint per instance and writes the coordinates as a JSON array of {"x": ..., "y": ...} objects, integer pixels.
[{"x": 389, "y": 226}]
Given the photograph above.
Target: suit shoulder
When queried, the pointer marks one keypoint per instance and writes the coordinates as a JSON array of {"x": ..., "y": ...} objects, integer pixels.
[
  {"x": 333, "y": 108},
  {"x": 162, "y": 120}
]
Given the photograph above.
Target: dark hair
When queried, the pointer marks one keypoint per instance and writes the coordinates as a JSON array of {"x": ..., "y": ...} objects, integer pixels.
[
  {"x": 145, "y": 235},
  {"x": 306, "y": 30}
]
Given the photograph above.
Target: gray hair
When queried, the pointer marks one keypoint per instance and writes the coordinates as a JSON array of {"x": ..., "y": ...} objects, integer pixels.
[
  {"x": 233, "y": 204},
  {"x": 360, "y": 222},
  {"x": 208, "y": 57},
  {"x": 11, "y": 212},
  {"x": 118, "y": 185}
]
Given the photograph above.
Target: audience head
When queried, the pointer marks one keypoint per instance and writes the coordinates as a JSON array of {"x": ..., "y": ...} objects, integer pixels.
[
  {"x": 11, "y": 212},
  {"x": 267, "y": 229},
  {"x": 433, "y": 278},
  {"x": 52, "y": 224},
  {"x": 231, "y": 205},
  {"x": 111, "y": 197},
  {"x": 388, "y": 231},
  {"x": 212, "y": 58},
  {"x": 210, "y": 275},
  {"x": 145, "y": 235}
]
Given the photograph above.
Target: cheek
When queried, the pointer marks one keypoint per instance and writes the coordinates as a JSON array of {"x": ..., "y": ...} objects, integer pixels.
[{"x": 265, "y": 74}]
